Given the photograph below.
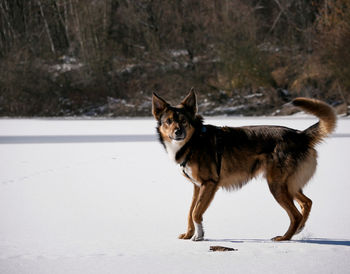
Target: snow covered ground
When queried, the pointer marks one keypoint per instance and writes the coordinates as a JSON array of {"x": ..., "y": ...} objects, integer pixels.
[{"x": 101, "y": 196}]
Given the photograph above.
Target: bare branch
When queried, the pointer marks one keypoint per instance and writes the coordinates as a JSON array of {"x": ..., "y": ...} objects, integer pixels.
[{"x": 52, "y": 46}]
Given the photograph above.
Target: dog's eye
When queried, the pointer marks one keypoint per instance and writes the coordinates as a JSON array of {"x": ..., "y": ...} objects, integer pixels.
[
  {"x": 169, "y": 121},
  {"x": 183, "y": 122}
]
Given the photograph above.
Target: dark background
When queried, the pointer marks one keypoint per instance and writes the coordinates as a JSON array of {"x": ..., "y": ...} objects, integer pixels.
[{"x": 106, "y": 57}]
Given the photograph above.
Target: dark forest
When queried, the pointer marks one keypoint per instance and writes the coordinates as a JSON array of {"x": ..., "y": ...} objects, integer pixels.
[{"x": 106, "y": 57}]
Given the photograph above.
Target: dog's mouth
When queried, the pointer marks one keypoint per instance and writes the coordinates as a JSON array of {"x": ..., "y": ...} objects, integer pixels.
[
  {"x": 178, "y": 135},
  {"x": 177, "y": 139}
]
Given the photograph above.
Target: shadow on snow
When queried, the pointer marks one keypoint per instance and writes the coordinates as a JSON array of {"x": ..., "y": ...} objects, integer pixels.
[
  {"x": 320, "y": 241},
  {"x": 52, "y": 139}
]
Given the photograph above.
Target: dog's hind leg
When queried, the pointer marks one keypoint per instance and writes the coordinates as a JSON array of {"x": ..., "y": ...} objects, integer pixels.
[
  {"x": 206, "y": 195},
  {"x": 190, "y": 225},
  {"x": 305, "y": 205},
  {"x": 283, "y": 197}
]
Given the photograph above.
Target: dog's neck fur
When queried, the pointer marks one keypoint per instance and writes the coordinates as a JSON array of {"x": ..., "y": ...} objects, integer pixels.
[{"x": 173, "y": 148}]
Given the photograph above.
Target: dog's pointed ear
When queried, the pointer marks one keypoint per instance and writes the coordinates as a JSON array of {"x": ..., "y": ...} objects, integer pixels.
[
  {"x": 158, "y": 106},
  {"x": 190, "y": 102}
]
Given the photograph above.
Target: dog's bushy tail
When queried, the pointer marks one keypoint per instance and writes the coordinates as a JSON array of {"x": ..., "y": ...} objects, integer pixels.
[{"x": 324, "y": 112}]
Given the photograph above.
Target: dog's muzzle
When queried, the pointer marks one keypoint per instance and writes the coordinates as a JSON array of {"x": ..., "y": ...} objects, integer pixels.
[{"x": 179, "y": 134}]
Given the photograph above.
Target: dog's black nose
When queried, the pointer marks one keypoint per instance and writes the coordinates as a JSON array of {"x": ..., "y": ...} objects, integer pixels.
[{"x": 178, "y": 132}]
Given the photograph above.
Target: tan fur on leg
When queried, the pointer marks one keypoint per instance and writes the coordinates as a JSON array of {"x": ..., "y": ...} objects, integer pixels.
[
  {"x": 206, "y": 195},
  {"x": 282, "y": 196},
  {"x": 305, "y": 205},
  {"x": 190, "y": 226}
]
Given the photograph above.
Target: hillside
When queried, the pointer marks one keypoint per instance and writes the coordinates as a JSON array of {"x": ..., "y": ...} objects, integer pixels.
[{"x": 105, "y": 58}]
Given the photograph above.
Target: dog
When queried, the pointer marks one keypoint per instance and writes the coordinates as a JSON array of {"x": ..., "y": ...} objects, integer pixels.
[{"x": 228, "y": 157}]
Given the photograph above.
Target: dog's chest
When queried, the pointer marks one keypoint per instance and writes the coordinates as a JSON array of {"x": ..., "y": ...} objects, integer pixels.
[{"x": 172, "y": 149}]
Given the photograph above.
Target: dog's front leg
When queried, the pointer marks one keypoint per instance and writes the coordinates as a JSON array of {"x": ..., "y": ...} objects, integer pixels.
[
  {"x": 206, "y": 195},
  {"x": 190, "y": 226}
]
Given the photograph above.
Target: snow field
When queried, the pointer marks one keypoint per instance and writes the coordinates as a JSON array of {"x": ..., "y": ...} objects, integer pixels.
[{"x": 118, "y": 207}]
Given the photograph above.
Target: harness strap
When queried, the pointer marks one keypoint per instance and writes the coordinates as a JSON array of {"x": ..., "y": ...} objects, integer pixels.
[{"x": 219, "y": 151}]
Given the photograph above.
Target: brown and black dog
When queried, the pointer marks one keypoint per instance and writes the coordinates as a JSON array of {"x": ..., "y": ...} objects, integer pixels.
[{"x": 228, "y": 157}]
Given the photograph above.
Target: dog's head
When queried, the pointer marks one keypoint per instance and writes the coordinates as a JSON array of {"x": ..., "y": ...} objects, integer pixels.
[{"x": 175, "y": 124}]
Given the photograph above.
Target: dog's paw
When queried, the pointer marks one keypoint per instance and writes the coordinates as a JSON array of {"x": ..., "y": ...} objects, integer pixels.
[
  {"x": 280, "y": 238},
  {"x": 199, "y": 232},
  {"x": 185, "y": 236},
  {"x": 197, "y": 238}
]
